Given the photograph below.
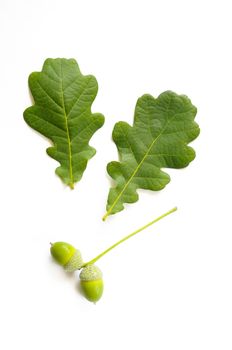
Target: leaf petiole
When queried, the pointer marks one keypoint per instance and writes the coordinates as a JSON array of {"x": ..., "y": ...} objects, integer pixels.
[
  {"x": 129, "y": 236},
  {"x": 71, "y": 185}
]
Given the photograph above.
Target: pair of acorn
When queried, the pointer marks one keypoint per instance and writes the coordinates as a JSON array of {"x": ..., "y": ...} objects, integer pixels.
[{"x": 90, "y": 277}]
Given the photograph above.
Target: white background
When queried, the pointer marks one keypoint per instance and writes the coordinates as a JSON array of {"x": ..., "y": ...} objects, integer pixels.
[{"x": 170, "y": 287}]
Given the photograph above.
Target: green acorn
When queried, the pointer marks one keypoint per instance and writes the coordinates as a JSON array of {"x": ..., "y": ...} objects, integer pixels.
[
  {"x": 67, "y": 256},
  {"x": 92, "y": 283},
  {"x": 91, "y": 276}
]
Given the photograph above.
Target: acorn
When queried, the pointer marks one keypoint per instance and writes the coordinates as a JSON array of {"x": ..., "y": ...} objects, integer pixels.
[
  {"x": 91, "y": 282},
  {"x": 67, "y": 256}
]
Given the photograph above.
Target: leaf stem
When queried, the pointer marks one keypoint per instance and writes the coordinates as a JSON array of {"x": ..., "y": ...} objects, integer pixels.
[
  {"x": 71, "y": 185},
  {"x": 129, "y": 236},
  {"x": 107, "y": 214}
]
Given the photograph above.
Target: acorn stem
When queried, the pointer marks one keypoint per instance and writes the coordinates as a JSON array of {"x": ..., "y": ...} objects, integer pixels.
[{"x": 129, "y": 236}]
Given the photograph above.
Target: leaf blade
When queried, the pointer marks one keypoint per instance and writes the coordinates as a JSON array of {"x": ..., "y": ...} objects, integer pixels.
[
  {"x": 158, "y": 139},
  {"x": 62, "y": 113}
]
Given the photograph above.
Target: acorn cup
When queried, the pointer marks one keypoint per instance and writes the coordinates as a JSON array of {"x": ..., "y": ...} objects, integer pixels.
[{"x": 67, "y": 256}]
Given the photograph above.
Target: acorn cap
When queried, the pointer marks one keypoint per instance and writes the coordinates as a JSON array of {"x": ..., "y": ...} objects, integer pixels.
[
  {"x": 74, "y": 263},
  {"x": 90, "y": 273}
]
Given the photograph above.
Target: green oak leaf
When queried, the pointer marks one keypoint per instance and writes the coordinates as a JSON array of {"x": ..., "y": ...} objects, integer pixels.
[
  {"x": 158, "y": 139},
  {"x": 62, "y": 112}
]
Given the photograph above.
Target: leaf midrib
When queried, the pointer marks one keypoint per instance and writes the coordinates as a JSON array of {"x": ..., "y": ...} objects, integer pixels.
[{"x": 71, "y": 184}]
